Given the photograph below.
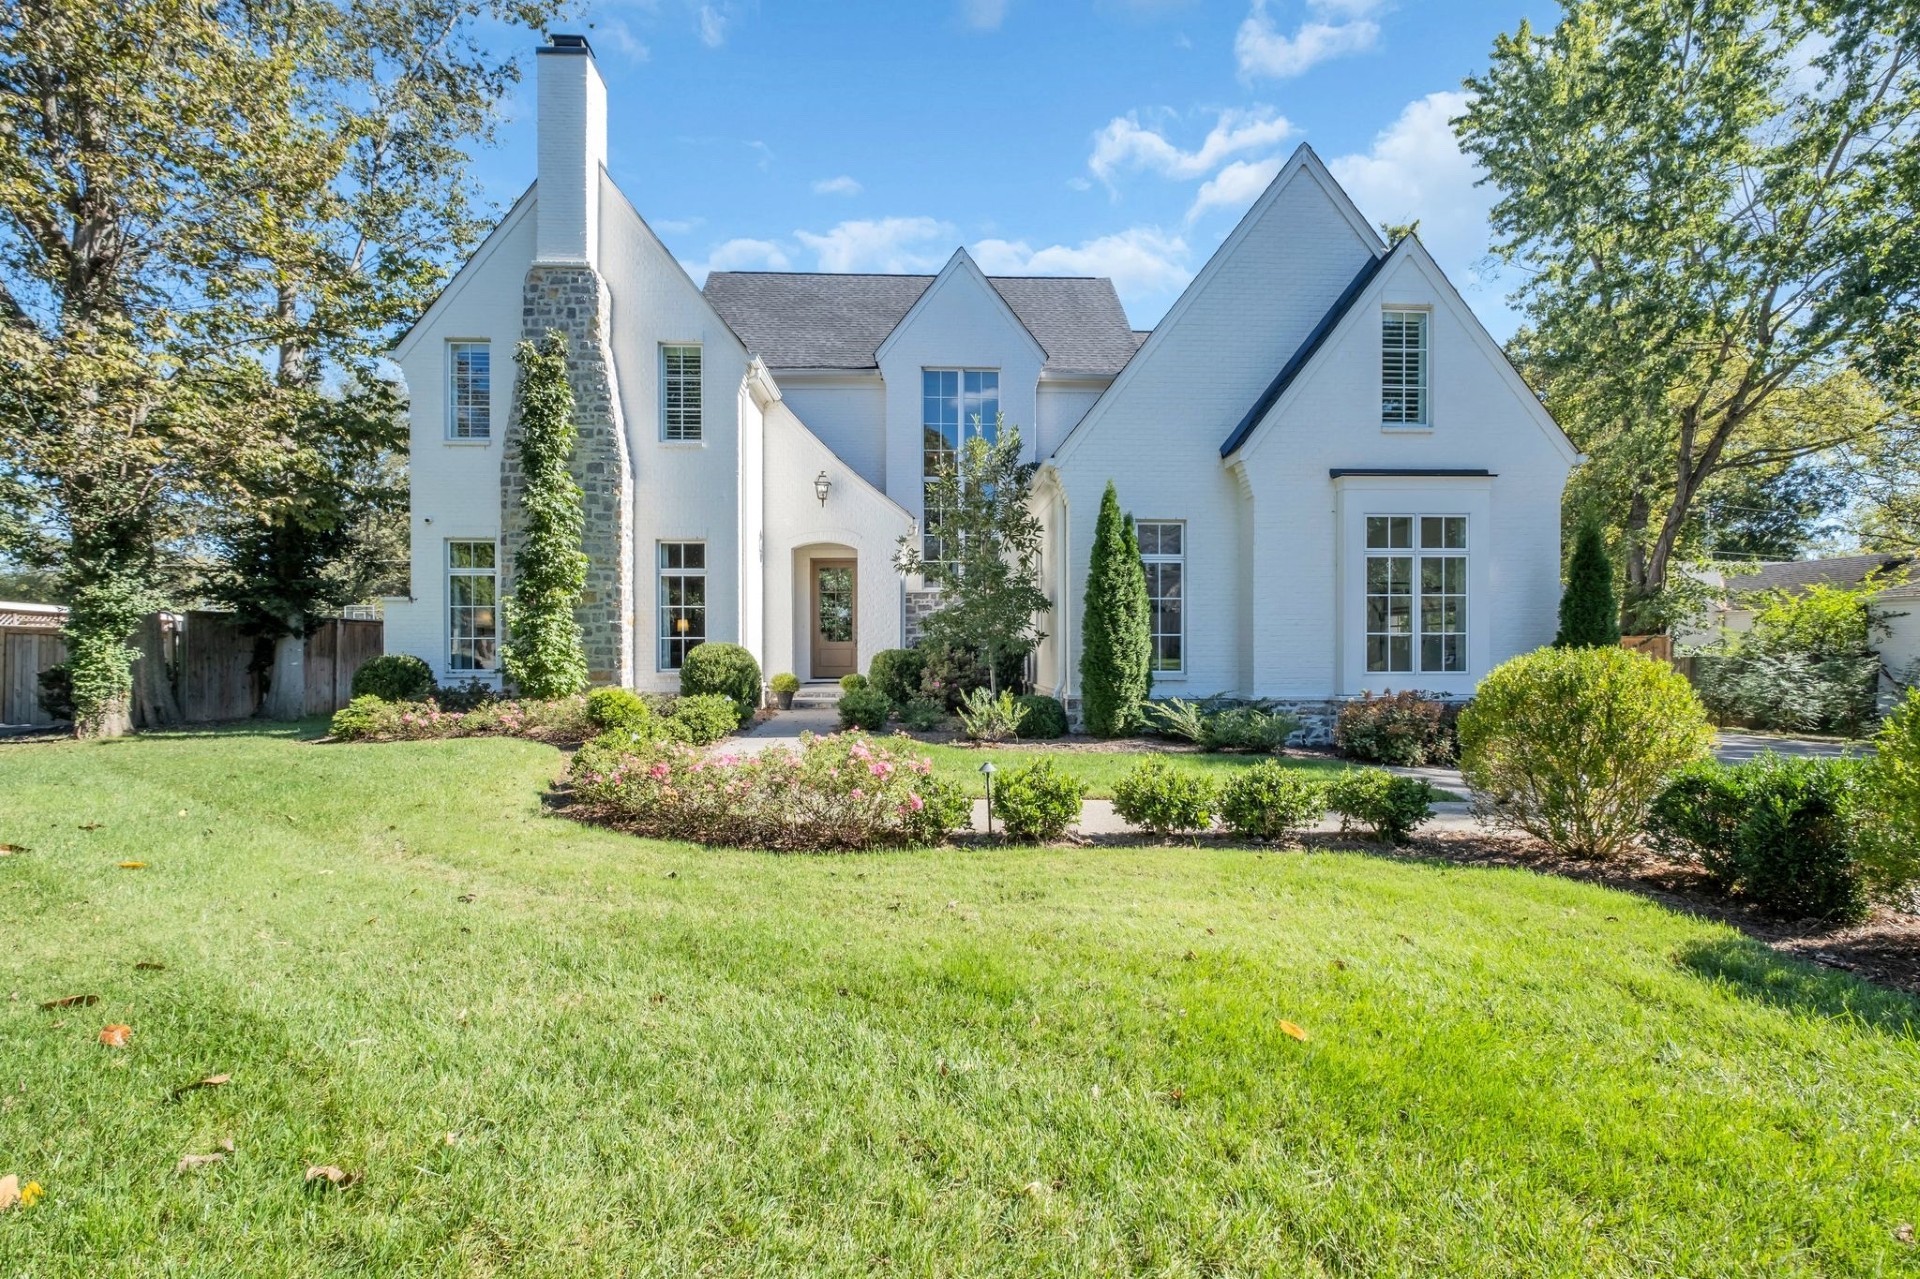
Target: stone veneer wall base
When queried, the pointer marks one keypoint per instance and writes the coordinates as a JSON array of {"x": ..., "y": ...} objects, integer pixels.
[{"x": 573, "y": 300}]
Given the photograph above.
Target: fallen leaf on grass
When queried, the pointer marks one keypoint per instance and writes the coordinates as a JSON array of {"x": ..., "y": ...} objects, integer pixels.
[
  {"x": 325, "y": 1175},
  {"x": 1288, "y": 1028},
  {"x": 133, "y": 865},
  {"x": 116, "y": 1035},
  {"x": 149, "y": 966},
  {"x": 15, "y": 1195},
  {"x": 464, "y": 897},
  {"x": 8, "y": 850},
  {"x": 189, "y": 1162},
  {"x": 71, "y": 1001},
  {"x": 91, "y": 825},
  {"x": 1904, "y": 1232},
  {"x": 211, "y": 1081}
]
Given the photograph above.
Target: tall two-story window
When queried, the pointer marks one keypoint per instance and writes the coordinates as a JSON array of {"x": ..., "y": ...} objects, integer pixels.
[
  {"x": 469, "y": 391},
  {"x": 955, "y": 405},
  {"x": 1403, "y": 368},
  {"x": 472, "y": 621},
  {"x": 1417, "y": 593},
  {"x": 1163, "y": 555},
  {"x": 683, "y": 601},
  {"x": 680, "y": 393}
]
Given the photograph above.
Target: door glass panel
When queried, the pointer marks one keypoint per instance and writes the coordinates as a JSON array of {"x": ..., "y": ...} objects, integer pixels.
[{"x": 836, "y": 605}]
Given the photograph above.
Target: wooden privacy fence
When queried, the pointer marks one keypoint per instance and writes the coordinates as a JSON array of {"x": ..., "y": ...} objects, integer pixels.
[{"x": 198, "y": 668}]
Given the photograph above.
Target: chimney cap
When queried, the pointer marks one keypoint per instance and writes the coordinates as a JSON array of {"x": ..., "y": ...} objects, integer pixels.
[{"x": 559, "y": 43}]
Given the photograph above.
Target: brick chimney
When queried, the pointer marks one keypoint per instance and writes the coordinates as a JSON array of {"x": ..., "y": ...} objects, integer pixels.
[{"x": 573, "y": 150}]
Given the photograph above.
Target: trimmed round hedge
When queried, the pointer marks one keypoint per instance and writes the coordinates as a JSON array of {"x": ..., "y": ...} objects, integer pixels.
[
  {"x": 1045, "y": 718},
  {"x": 726, "y": 669},
  {"x": 394, "y": 677}
]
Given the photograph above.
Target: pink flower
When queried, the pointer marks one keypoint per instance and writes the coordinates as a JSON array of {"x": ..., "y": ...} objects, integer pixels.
[
  {"x": 659, "y": 771},
  {"x": 880, "y": 768},
  {"x": 915, "y": 802},
  {"x": 858, "y": 793}
]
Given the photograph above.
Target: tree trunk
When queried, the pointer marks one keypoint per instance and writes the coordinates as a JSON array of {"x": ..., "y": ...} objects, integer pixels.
[
  {"x": 114, "y": 720},
  {"x": 154, "y": 703},
  {"x": 287, "y": 681}
]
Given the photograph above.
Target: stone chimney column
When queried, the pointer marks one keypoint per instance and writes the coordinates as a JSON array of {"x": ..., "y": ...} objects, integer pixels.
[{"x": 565, "y": 292}]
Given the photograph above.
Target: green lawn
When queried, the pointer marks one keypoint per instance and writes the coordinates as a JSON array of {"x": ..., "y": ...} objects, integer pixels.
[
  {"x": 1098, "y": 769},
  {"x": 625, "y": 1058}
]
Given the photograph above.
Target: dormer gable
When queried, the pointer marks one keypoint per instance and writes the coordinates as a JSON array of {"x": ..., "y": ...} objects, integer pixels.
[{"x": 961, "y": 294}]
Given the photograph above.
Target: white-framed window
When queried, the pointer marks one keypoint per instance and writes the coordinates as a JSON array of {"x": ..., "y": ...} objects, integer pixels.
[
  {"x": 473, "y": 585},
  {"x": 683, "y": 601},
  {"x": 955, "y": 405},
  {"x": 1403, "y": 368},
  {"x": 469, "y": 390},
  {"x": 1417, "y": 594},
  {"x": 680, "y": 393},
  {"x": 1163, "y": 553}
]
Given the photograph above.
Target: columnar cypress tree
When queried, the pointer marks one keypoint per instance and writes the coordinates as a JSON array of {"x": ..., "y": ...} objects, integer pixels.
[
  {"x": 1117, "y": 650},
  {"x": 1589, "y": 614},
  {"x": 544, "y": 656}
]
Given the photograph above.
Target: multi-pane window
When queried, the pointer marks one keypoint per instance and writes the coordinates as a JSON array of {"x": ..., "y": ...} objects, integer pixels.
[
  {"x": 469, "y": 390},
  {"x": 1163, "y": 555},
  {"x": 1403, "y": 368},
  {"x": 683, "y": 600},
  {"x": 955, "y": 405},
  {"x": 680, "y": 393},
  {"x": 1417, "y": 593},
  {"x": 472, "y": 622}
]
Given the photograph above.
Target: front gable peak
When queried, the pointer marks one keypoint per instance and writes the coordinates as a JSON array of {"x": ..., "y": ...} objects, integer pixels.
[{"x": 960, "y": 272}]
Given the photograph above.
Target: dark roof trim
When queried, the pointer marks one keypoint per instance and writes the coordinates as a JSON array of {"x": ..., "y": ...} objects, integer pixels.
[
  {"x": 1342, "y": 472},
  {"x": 1308, "y": 349},
  {"x": 558, "y": 43}
]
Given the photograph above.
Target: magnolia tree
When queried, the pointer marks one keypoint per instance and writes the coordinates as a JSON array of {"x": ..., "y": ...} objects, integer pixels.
[{"x": 982, "y": 552}]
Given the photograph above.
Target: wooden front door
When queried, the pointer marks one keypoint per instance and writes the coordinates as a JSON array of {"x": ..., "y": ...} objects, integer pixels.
[{"x": 835, "y": 622}]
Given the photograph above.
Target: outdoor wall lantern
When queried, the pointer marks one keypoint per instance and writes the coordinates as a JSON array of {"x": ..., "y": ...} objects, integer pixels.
[{"x": 821, "y": 487}]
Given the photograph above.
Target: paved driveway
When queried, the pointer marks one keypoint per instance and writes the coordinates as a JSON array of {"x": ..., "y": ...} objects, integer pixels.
[{"x": 1733, "y": 746}]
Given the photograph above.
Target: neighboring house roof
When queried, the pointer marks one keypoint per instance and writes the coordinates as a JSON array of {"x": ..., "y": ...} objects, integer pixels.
[
  {"x": 1845, "y": 571},
  {"x": 797, "y": 320},
  {"x": 1299, "y": 359}
]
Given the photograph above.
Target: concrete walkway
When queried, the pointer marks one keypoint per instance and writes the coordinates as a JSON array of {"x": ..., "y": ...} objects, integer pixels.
[{"x": 1098, "y": 818}]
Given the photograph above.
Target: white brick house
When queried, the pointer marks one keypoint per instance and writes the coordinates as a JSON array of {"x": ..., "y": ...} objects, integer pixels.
[{"x": 1341, "y": 483}]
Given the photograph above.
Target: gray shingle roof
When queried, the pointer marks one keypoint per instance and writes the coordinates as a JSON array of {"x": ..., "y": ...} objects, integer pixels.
[
  {"x": 794, "y": 320},
  {"x": 1796, "y": 575}
]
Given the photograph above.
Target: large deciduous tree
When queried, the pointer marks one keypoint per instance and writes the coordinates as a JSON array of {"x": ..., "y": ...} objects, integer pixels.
[
  {"x": 213, "y": 215},
  {"x": 982, "y": 552},
  {"x": 1714, "y": 205}
]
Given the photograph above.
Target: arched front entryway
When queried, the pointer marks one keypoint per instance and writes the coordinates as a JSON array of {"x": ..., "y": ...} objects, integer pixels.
[{"x": 827, "y": 606}]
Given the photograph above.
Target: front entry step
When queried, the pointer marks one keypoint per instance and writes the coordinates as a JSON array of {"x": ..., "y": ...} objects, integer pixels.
[{"x": 817, "y": 695}]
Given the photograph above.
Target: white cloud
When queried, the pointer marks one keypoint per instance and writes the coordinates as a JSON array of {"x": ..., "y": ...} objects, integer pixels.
[
  {"x": 842, "y": 185},
  {"x": 676, "y": 226},
  {"x": 1141, "y": 261},
  {"x": 884, "y": 244},
  {"x": 1333, "y": 28},
  {"x": 747, "y": 255},
  {"x": 1127, "y": 144},
  {"x": 620, "y": 38},
  {"x": 1235, "y": 186},
  {"x": 983, "y": 15},
  {"x": 712, "y": 25},
  {"x": 1415, "y": 169}
]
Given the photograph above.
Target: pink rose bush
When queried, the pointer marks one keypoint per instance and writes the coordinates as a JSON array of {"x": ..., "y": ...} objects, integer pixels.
[{"x": 838, "y": 793}]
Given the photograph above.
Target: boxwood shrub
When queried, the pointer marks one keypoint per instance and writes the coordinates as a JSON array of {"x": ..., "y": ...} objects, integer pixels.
[
  {"x": 1044, "y": 720},
  {"x": 1271, "y": 801},
  {"x": 394, "y": 677},
  {"x": 1037, "y": 803},
  {"x": 726, "y": 669},
  {"x": 1160, "y": 798}
]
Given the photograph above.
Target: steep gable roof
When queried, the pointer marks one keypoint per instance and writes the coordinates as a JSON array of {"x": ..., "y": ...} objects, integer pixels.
[
  {"x": 1298, "y": 360},
  {"x": 800, "y": 320}
]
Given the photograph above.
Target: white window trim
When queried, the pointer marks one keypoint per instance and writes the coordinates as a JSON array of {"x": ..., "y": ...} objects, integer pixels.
[
  {"x": 449, "y": 572},
  {"x": 1179, "y": 672},
  {"x": 1415, "y": 552},
  {"x": 966, "y": 429},
  {"x": 700, "y": 440},
  {"x": 660, "y": 572},
  {"x": 1425, "y": 425},
  {"x": 452, "y": 415}
]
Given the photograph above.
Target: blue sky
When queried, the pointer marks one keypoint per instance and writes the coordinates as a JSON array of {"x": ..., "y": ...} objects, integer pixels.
[{"x": 1102, "y": 137}]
